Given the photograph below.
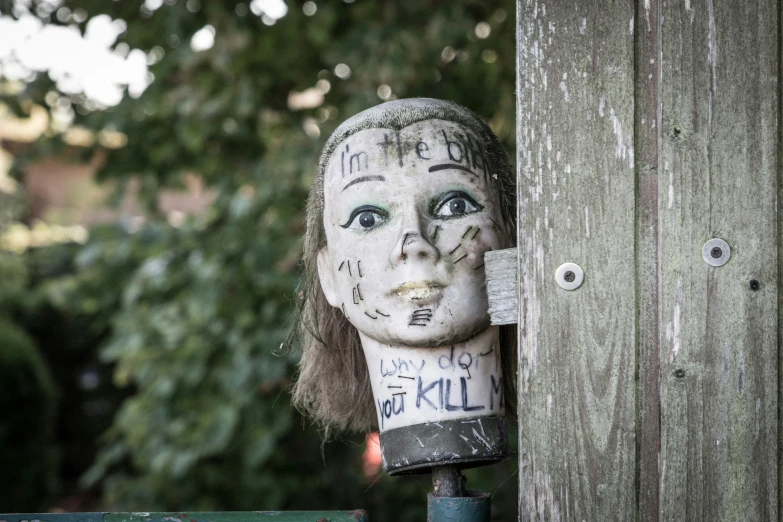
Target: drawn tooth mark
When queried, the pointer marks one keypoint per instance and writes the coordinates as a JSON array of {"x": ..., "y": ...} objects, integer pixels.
[
  {"x": 435, "y": 235},
  {"x": 482, "y": 264},
  {"x": 341, "y": 266},
  {"x": 349, "y": 268},
  {"x": 343, "y": 307},
  {"x": 467, "y": 231},
  {"x": 359, "y": 292},
  {"x": 390, "y": 386},
  {"x": 405, "y": 377},
  {"x": 399, "y": 393},
  {"x": 460, "y": 259},
  {"x": 402, "y": 248},
  {"x": 381, "y": 313},
  {"x": 368, "y": 315},
  {"x": 355, "y": 300},
  {"x": 475, "y": 233},
  {"x": 488, "y": 352},
  {"x": 455, "y": 249},
  {"x": 420, "y": 317},
  {"x": 359, "y": 267}
]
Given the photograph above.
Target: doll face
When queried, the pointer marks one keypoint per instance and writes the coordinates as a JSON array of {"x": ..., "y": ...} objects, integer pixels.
[{"x": 408, "y": 217}]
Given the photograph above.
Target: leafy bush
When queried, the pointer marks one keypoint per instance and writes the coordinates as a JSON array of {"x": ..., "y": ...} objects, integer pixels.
[
  {"x": 28, "y": 402},
  {"x": 192, "y": 318}
]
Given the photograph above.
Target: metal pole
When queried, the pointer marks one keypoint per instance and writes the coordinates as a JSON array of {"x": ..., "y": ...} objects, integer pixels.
[
  {"x": 447, "y": 481},
  {"x": 450, "y": 502}
]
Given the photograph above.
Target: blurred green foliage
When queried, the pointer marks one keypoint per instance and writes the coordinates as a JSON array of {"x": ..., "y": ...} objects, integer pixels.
[
  {"x": 192, "y": 318},
  {"x": 28, "y": 398}
]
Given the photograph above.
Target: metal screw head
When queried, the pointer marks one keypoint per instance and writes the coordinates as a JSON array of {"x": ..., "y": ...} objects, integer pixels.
[
  {"x": 569, "y": 276},
  {"x": 716, "y": 252}
]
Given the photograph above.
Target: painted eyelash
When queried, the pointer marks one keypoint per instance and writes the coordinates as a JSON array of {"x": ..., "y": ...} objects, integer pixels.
[{"x": 362, "y": 209}]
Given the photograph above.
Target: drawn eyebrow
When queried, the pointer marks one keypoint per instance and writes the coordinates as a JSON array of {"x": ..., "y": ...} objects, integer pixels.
[
  {"x": 446, "y": 166},
  {"x": 364, "y": 178}
]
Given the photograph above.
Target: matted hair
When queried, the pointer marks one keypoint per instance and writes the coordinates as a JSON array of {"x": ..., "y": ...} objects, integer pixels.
[{"x": 333, "y": 385}]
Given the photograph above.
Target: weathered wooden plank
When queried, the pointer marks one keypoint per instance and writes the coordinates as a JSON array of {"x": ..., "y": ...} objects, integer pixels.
[
  {"x": 780, "y": 261},
  {"x": 646, "y": 144},
  {"x": 501, "y": 269},
  {"x": 576, "y": 204},
  {"x": 718, "y": 338}
]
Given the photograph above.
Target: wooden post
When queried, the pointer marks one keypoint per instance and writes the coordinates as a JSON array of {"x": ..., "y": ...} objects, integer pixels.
[{"x": 645, "y": 129}]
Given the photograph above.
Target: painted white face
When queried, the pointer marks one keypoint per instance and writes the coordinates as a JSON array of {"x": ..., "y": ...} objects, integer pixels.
[{"x": 408, "y": 217}]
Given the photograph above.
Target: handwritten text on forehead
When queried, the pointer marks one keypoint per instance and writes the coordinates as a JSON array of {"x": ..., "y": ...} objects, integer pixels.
[{"x": 445, "y": 149}]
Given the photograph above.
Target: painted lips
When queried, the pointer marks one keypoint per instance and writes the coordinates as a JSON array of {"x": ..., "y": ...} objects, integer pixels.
[{"x": 417, "y": 290}]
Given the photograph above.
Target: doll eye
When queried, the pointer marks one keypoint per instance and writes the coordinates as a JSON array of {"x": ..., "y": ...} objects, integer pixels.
[
  {"x": 456, "y": 204},
  {"x": 365, "y": 217}
]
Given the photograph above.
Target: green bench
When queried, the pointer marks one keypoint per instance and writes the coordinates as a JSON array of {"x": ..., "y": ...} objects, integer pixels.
[{"x": 357, "y": 515}]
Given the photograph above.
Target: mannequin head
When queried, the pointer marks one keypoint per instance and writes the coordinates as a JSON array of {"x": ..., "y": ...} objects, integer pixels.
[{"x": 407, "y": 198}]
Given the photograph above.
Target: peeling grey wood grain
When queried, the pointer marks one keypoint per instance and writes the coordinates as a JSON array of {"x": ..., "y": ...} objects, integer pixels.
[
  {"x": 780, "y": 259},
  {"x": 576, "y": 204},
  {"x": 501, "y": 268},
  {"x": 627, "y": 169},
  {"x": 647, "y": 155},
  {"x": 718, "y": 337}
]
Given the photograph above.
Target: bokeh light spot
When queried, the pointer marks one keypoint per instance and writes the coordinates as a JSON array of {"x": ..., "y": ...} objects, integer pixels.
[
  {"x": 384, "y": 91},
  {"x": 482, "y": 30},
  {"x": 342, "y": 71},
  {"x": 309, "y": 8}
]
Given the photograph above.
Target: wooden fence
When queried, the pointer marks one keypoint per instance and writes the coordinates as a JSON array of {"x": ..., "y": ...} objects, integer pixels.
[{"x": 646, "y": 129}]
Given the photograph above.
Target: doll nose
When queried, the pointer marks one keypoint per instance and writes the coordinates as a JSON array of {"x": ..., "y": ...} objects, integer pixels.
[{"x": 413, "y": 246}]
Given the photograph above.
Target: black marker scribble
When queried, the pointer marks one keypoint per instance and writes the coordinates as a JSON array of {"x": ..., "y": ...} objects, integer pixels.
[
  {"x": 381, "y": 313},
  {"x": 363, "y": 178},
  {"x": 358, "y": 291},
  {"x": 405, "y": 377},
  {"x": 482, "y": 264},
  {"x": 368, "y": 315},
  {"x": 475, "y": 233},
  {"x": 349, "y": 268},
  {"x": 359, "y": 267},
  {"x": 402, "y": 248},
  {"x": 399, "y": 393},
  {"x": 455, "y": 249},
  {"x": 435, "y": 235},
  {"x": 341, "y": 266},
  {"x": 488, "y": 352},
  {"x": 467, "y": 231},
  {"x": 355, "y": 300},
  {"x": 390, "y": 386},
  {"x": 460, "y": 259},
  {"x": 343, "y": 307},
  {"x": 446, "y": 166}
]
